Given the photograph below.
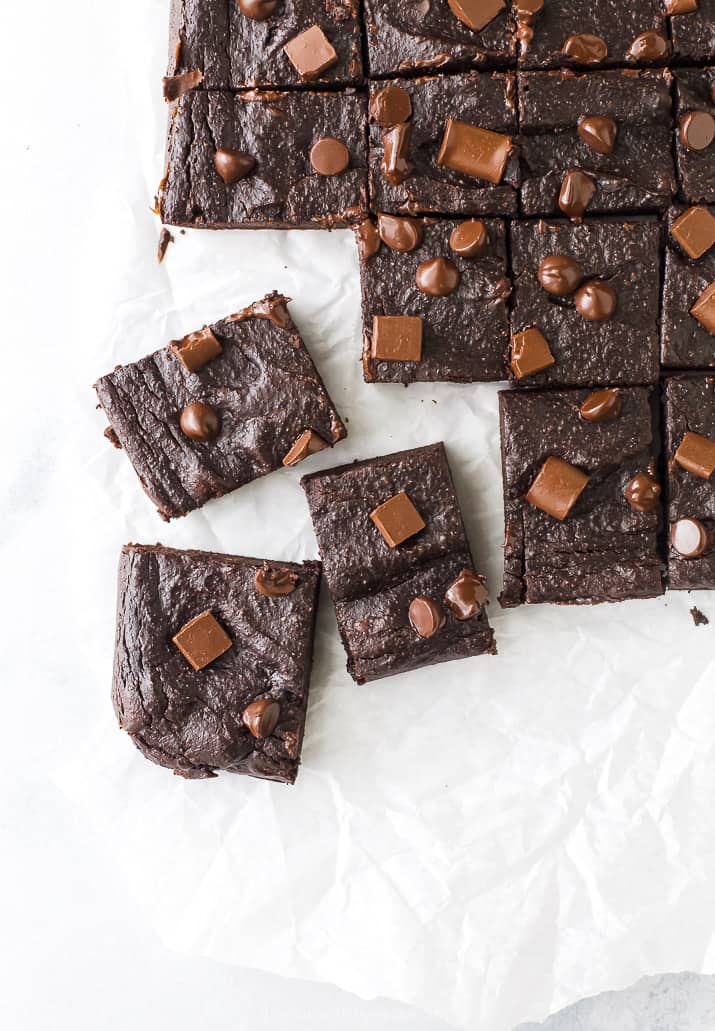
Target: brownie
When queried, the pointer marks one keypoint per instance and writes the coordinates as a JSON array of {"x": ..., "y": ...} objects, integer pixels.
[
  {"x": 693, "y": 33},
  {"x": 428, "y": 175},
  {"x": 239, "y": 44},
  {"x": 580, "y": 502},
  {"x": 223, "y": 406},
  {"x": 213, "y": 658},
  {"x": 633, "y": 172},
  {"x": 249, "y": 159},
  {"x": 685, "y": 341},
  {"x": 406, "y": 36},
  {"x": 689, "y": 418},
  {"x": 398, "y": 564},
  {"x": 624, "y": 257},
  {"x": 443, "y": 287},
  {"x": 696, "y": 167}
]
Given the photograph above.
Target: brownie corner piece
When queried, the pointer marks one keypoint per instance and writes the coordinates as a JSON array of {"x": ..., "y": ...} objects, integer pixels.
[
  {"x": 212, "y": 660},
  {"x": 695, "y": 133},
  {"x": 693, "y": 30},
  {"x": 687, "y": 319}
]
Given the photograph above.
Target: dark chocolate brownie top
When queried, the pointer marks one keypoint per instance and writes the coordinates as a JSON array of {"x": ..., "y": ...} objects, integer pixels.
[
  {"x": 274, "y": 135},
  {"x": 192, "y": 721},
  {"x": 622, "y": 349},
  {"x": 693, "y": 33},
  {"x": 685, "y": 342},
  {"x": 262, "y": 388},
  {"x": 696, "y": 166}
]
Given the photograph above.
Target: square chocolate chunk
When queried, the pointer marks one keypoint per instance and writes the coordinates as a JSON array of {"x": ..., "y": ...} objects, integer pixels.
[
  {"x": 693, "y": 32},
  {"x": 695, "y": 133},
  {"x": 685, "y": 342}
]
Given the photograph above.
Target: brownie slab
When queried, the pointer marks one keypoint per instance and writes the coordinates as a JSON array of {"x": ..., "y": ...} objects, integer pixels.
[
  {"x": 244, "y": 710},
  {"x": 481, "y": 100},
  {"x": 272, "y": 136},
  {"x": 693, "y": 33},
  {"x": 220, "y": 408},
  {"x": 636, "y": 175},
  {"x": 689, "y": 408},
  {"x": 686, "y": 342},
  {"x": 603, "y": 548},
  {"x": 621, "y": 349},
  {"x": 375, "y": 586},
  {"x": 696, "y": 164}
]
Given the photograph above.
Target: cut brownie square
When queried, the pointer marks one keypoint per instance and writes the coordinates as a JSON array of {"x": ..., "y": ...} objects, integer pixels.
[
  {"x": 247, "y": 42},
  {"x": 580, "y": 499},
  {"x": 401, "y": 605},
  {"x": 213, "y": 658},
  {"x": 693, "y": 29},
  {"x": 611, "y": 128},
  {"x": 592, "y": 290},
  {"x": 442, "y": 145},
  {"x": 273, "y": 160},
  {"x": 689, "y": 417},
  {"x": 695, "y": 133},
  {"x": 223, "y": 406},
  {"x": 689, "y": 272},
  {"x": 454, "y": 274}
]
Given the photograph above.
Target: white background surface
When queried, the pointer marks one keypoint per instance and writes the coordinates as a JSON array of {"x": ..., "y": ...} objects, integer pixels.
[{"x": 538, "y": 826}]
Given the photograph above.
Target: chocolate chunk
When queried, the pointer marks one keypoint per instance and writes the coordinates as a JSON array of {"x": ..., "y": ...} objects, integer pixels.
[
  {"x": 112, "y": 437},
  {"x": 697, "y": 130},
  {"x": 275, "y": 583},
  {"x": 530, "y": 353},
  {"x": 680, "y": 6},
  {"x": 329, "y": 156},
  {"x": 690, "y": 538},
  {"x": 165, "y": 238},
  {"x": 559, "y": 274},
  {"x": 426, "y": 616},
  {"x": 200, "y": 421},
  {"x": 694, "y": 230},
  {"x": 469, "y": 239},
  {"x": 397, "y": 338},
  {"x": 599, "y": 132},
  {"x": 476, "y": 14},
  {"x": 437, "y": 277},
  {"x": 585, "y": 48},
  {"x": 557, "y": 488},
  {"x": 397, "y": 519},
  {"x": 196, "y": 349},
  {"x": 642, "y": 493},
  {"x": 474, "y": 151},
  {"x": 368, "y": 239},
  {"x": 308, "y": 443},
  {"x": 233, "y": 165},
  {"x": 310, "y": 53},
  {"x": 699, "y": 618},
  {"x": 468, "y": 595},
  {"x": 257, "y": 10},
  {"x": 577, "y": 191},
  {"x": 697, "y": 455},
  {"x": 261, "y": 717},
  {"x": 602, "y": 406},
  {"x": 649, "y": 46},
  {"x": 400, "y": 234},
  {"x": 595, "y": 301},
  {"x": 390, "y": 106},
  {"x": 202, "y": 640},
  {"x": 396, "y": 165},
  {"x": 704, "y": 309},
  {"x": 176, "y": 86}
]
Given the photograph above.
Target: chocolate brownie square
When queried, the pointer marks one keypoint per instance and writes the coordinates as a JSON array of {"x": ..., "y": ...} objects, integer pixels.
[
  {"x": 692, "y": 28},
  {"x": 592, "y": 291},
  {"x": 271, "y": 160},
  {"x": 223, "y": 406},
  {"x": 597, "y": 142},
  {"x": 695, "y": 133},
  {"x": 213, "y": 658},
  {"x": 689, "y": 417},
  {"x": 580, "y": 498},
  {"x": 398, "y": 564},
  {"x": 443, "y": 274},
  {"x": 686, "y": 341},
  {"x": 443, "y": 145}
]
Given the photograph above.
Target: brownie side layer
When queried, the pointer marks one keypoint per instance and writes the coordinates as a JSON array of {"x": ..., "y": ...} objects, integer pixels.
[
  {"x": 685, "y": 343},
  {"x": 696, "y": 168}
]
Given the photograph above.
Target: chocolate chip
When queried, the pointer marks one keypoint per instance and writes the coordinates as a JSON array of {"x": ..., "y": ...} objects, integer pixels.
[
  {"x": 559, "y": 274},
  {"x": 275, "y": 583},
  {"x": 176, "y": 86},
  {"x": 390, "y": 106},
  {"x": 694, "y": 230},
  {"x": 426, "y": 616},
  {"x": 233, "y": 165},
  {"x": 577, "y": 191},
  {"x": 697, "y": 130},
  {"x": 165, "y": 238},
  {"x": 557, "y": 488},
  {"x": 595, "y": 301},
  {"x": 310, "y": 53},
  {"x": 704, "y": 309},
  {"x": 690, "y": 538},
  {"x": 476, "y": 14},
  {"x": 599, "y": 132},
  {"x": 261, "y": 717},
  {"x": 400, "y": 234},
  {"x": 680, "y": 6},
  {"x": 329, "y": 156},
  {"x": 527, "y": 8},
  {"x": 397, "y": 519},
  {"x": 585, "y": 48},
  {"x": 642, "y": 493},
  {"x": 468, "y": 595},
  {"x": 368, "y": 239},
  {"x": 202, "y": 640},
  {"x": 257, "y": 10},
  {"x": 649, "y": 46},
  {"x": 396, "y": 338},
  {"x": 473, "y": 151},
  {"x": 696, "y": 454},
  {"x": 196, "y": 349},
  {"x": 602, "y": 406},
  {"x": 200, "y": 421},
  {"x": 437, "y": 277},
  {"x": 396, "y": 165},
  {"x": 469, "y": 239},
  {"x": 530, "y": 353},
  {"x": 308, "y": 443}
]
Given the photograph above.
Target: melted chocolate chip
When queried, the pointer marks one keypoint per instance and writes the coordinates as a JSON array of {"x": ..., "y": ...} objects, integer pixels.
[
  {"x": 261, "y": 717},
  {"x": 585, "y": 48},
  {"x": 426, "y": 616},
  {"x": 559, "y": 274},
  {"x": 275, "y": 583},
  {"x": 602, "y": 406},
  {"x": 595, "y": 301},
  {"x": 400, "y": 234},
  {"x": 308, "y": 443},
  {"x": 690, "y": 538},
  {"x": 469, "y": 239},
  {"x": 329, "y": 156},
  {"x": 437, "y": 277},
  {"x": 390, "y": 106},
  {"x": 697, "y": 130},
  {"x": 257, "y": 10},
  {"x": 642, "y": 493},
  {"x": 396, "y": 165},
  {"x": 649, "y": 46},
  {"x": 599, "y": 132},
  {"x": 577, "y": 191},
  {"x": 468, "y": 595},
  {"x": 233, "y": 165},
  {"x": 368, "y": 239},
  {"x": 200, "y": 421}
]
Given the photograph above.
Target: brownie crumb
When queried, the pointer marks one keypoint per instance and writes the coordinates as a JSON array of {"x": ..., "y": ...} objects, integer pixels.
[
  {"x": 165, "y": 238},
  {"x": 699, "y": 618}
]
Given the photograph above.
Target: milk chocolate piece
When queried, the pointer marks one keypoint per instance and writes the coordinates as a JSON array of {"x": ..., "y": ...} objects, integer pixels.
[
  {"x": 329, "y": 156},
  {"x": 469, "y": 239},
  {"x": 680, "y": 6},
  {"x": 400, "y": 234},
  {"x": 437, "y": 277},
  {"x": 261, "y": 717},
  {"x": 474, "y": 151},
  {"x": 397, "y": 338},
  {"x": 577, "y": 191},
  {"x": 390, "y": 106},
  {"x": 694, "y": 230},
  {"x": 202, "y": 640},
  {"x": 649, "y": 46},
  {"x": 559, "y": 274},
  {"x": 368, "y": 239},
  {"x": 257, "y": 10},
  {"x": 599, "y": 132},
  {"x": 308, "y": 443},
  {"x": 468, "y": 595},
  {"x": 310, "y": 53},
  {"x": 200, "y": 421},
  {"x": 690, "y": 538},
  {"x": 642, "y": 493},
  {"x": 176, "y": 86},
  {"x": 196, "y": 349},
  {"x": 397, "y": 519},
  {"x": 426, "y": 616},
  {"x": 530, "y": 353},
  {"x": 585, "y": 48},
  {"x": 275, "y": 583},
  {"x": 697, "y": 130},
  {"x": 476, "y": 14},
  {"x": 696, "y": 454},
  {"x": 396, "y": 165},
  {"x": 595, "y": 301},
  {"x": 602, "y": 406},
  {"x": 233, "y": 165},
  {"x": 557, "y": 488},
  {"x": 704, "y": 309}
]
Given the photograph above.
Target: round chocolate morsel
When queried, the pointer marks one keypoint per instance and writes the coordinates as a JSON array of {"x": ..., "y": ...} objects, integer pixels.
[
  {"x": 585, "y": 48},
  {"x": 689, "y": 538},
  {"x": 437, "y": 277},
  {"x": 577, "y": 190},
  {"x": 697, "y": 130},
  {"x": 390, "y": 106},
  {"x": 595, "y": 301},
  {"x": 599, "y": 132},
  {"x": 400, "y": 234},
  {"x": 233, "y": 165},
  {"x": 329, "y": 156},
  {"x": 602, "y": 406},
  {"x": 200, "y": 421},
  {"x": 261, "y": 717},
  {"x": 559, "y": 274},
  {"x": 642, "y": 493},
  {"x": 468, "y": 595},
  {"x": 649, "y": 46},
  {"x": 469, "y": 239},
  {"x": 275, "y": 583},
  {"x": 426, "y": 616},
  {"x": 257, "y": 10}
]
